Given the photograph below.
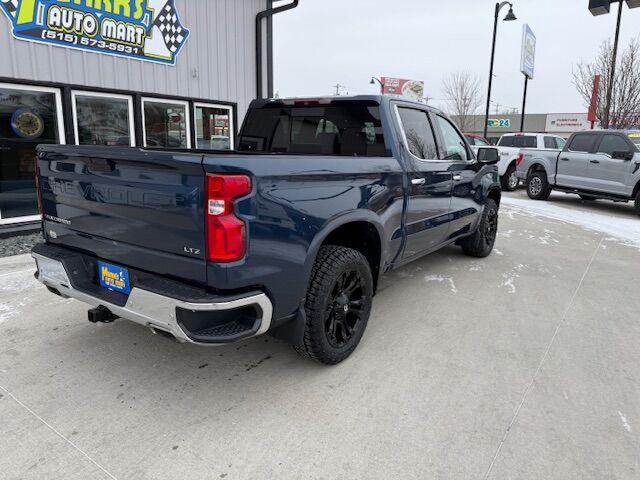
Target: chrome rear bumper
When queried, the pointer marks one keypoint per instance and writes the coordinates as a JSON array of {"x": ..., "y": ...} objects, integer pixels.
[{"x": 155, "y": 311}]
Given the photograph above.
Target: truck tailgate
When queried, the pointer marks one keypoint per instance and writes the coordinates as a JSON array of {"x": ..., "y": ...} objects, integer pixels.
[{"x": 138, "y": 208}]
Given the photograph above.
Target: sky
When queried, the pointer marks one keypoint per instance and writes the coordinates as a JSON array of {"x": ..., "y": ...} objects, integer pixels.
[{"x": 325, "y": 42}]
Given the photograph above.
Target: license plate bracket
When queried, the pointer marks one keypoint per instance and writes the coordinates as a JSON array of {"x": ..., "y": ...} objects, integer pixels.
[{"x": 114, "y": 278}]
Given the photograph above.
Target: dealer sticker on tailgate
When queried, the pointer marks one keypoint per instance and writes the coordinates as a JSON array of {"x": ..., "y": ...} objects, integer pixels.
[{"x": 114, "y": 278}]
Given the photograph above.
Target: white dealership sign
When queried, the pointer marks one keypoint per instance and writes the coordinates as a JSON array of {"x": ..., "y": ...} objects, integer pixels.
[
  {"x": 567, "y": 122},
  {"x": 528, "y": 56}
]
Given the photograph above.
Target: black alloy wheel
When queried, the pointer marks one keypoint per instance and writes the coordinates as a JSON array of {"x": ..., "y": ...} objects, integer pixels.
[{"x": 345, "y": 309}]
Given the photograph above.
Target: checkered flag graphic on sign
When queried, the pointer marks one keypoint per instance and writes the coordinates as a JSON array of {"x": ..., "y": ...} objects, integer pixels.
[
  {"x": 11, "y": 6},
  {"x": 172, "y": 32}
]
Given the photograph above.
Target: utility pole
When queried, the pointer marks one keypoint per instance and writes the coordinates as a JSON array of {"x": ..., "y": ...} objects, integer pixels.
[
  {"x": 602, "y": 7},
  {"x": 607, "y": 110}
]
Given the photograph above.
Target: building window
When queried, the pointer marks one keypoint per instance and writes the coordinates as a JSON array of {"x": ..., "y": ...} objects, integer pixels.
[
  {"x": 103, "y": 119},
  {"x": 166, "y": 123},
  {"x": 214, "y": 127},
  {"x": 28, "y": 116}
]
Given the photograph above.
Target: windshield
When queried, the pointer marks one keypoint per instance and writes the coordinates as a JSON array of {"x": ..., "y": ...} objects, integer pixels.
[
  {"x": 347, "y": 129},
  {"x": 635, "y": 138}
]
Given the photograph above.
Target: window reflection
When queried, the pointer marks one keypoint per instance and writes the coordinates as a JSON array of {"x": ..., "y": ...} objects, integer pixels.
[
  {"x": 103, "y": 120},
  {"x": 27, "y": 118},
  {"x": 214, "y": 128},
  {"x": 165, "y": 125}
]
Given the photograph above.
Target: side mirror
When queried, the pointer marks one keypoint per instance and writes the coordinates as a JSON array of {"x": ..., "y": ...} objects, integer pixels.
[
  {"x": 621, "y": 155},
  {"x": 488, "y": 155}
]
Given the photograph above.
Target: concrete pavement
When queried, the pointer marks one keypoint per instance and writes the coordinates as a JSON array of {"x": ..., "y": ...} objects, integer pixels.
[{"x": 524, "y": 365}]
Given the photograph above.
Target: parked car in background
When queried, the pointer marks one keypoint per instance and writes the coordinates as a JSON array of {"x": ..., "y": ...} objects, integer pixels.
[
  {"x": 289, "y": 235},
  {"x": 511, "y": 144},
  {"x": 594, "y": 164},
  {"x": 477, "y": 141}
]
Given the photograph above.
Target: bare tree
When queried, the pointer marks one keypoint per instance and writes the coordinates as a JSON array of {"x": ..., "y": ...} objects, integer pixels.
[
  {"x": 625, "y": 98},
  {"x": 464, "y": 99}
]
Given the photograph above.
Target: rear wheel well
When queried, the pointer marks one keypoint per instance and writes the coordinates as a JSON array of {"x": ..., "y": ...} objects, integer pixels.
[
  {"x": 536, "y": 168},
  {"x": 363, "y": 237}
]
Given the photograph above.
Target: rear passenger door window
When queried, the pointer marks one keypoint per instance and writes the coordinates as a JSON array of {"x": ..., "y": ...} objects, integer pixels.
[
  {"x": 453, "y": 146},
  {"x": 419, "y": 134},
  {"x": 582, "y": 143}
]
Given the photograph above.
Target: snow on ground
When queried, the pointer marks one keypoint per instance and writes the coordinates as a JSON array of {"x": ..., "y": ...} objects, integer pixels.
[
  {"x": 16, "y": 292},
  {"x": 622, "y": 229},
  {"x": 442, "y": 279}
]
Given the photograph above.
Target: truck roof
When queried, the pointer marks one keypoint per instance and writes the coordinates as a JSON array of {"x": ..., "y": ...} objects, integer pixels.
[{"x": 380, "y": 99}]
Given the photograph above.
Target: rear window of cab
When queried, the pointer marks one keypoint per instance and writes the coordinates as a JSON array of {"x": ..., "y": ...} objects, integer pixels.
[
  {"x": 635, "y": 138},
  {"x": 518, "y": 141}
]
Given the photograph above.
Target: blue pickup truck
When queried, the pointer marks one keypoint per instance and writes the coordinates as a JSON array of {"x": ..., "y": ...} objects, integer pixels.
[{"x": 288, "y": 235}]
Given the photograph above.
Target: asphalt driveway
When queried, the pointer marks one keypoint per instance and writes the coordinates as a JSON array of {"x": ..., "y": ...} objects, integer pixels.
[{"x": 524, "y": 365}]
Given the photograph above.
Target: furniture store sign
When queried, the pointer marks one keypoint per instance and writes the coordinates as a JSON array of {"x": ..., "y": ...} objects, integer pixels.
[{"x": 144, "y": 29}]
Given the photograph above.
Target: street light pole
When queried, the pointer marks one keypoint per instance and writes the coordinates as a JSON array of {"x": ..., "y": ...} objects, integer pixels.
[
  {"x": 524, "y": 103},
  {"x": 376, "y": 79},
  {"x": 607, "y": 111},
  {"x": 510, "y": 16}
]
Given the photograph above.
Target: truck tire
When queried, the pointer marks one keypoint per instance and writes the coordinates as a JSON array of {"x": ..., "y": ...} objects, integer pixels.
[
  {"x": 481, "y": 243},
  {"x": 337, "y": 305},
  {"x": 538, "y": 187},
  {"x": 638, "y": 202},
  {"x": 509, "y": 180}
]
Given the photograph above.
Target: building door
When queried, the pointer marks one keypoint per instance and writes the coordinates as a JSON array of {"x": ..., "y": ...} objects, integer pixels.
[{"x": 28, "y": 116}]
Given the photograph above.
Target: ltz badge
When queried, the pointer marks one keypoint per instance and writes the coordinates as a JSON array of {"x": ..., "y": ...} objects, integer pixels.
[{"x": 143, "y": 29}]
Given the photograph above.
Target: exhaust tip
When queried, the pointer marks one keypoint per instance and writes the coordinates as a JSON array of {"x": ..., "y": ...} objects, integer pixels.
[{"x": 163, "y": 333}]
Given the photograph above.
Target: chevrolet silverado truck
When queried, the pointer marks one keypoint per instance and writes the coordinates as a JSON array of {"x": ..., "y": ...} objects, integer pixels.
[
  {"x": 288, "y": 235},
  {"x": 594, "y": 164},
  {"x": 512, "y": 145}
]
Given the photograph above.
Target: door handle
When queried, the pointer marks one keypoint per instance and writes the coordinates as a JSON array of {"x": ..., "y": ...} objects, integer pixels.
[
  {"x": 594, "y": 161},
  {"x": 418, "y": 181},
  {"x": 564, "y": 159},
  {"x": 457, "y": 178}
]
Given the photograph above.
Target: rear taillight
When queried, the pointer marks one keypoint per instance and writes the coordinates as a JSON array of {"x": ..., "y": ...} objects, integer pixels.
[
  {"x": 519, "y": 159},
  {"x": 226, "y": 233}
]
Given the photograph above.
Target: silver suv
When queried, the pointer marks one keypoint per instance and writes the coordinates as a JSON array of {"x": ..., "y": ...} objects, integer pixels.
[{"x": 594, "y": 164}]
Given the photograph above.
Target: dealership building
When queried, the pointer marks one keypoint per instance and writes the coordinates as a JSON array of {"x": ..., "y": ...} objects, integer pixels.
[
  {"x": 149, "y": 73},
  {"x": 561, "y": 124}
]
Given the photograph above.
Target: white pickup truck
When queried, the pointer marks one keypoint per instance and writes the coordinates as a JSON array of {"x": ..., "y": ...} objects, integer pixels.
[{"x": 509, "y": 148}]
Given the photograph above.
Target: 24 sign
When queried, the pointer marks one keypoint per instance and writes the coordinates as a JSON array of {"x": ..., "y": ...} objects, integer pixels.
[
  {"x": 499, "y": 123},
  {"x": 144, "y": 29}
]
